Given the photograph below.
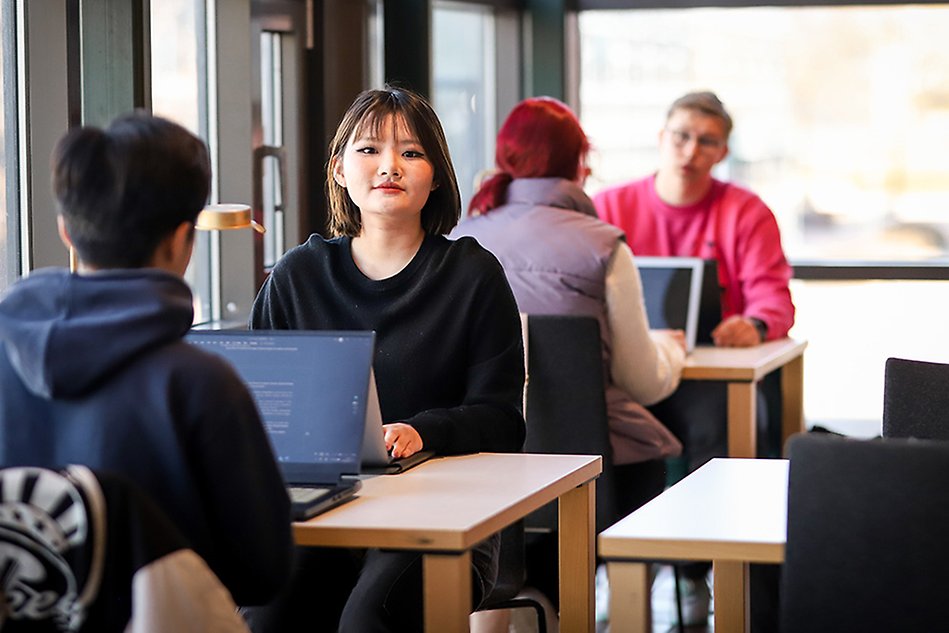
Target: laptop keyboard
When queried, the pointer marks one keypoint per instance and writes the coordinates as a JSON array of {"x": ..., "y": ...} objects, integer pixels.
[{"x": 305, "y": 495}]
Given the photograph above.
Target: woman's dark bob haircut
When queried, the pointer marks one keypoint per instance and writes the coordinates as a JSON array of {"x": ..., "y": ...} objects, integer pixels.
[{"x": 369, "y": 112}]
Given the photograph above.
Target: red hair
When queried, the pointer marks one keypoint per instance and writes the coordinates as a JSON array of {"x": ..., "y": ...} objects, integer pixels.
[{"x": 541, "y": 138}]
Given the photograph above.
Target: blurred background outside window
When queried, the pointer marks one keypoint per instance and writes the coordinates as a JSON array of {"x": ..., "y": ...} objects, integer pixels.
[
  {"x": 841, "y": 124},
  {"x": 464, "y": 87},
  {"x": 179, "y": 93}
]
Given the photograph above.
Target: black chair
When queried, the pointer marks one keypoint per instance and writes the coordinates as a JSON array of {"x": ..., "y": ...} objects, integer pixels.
[
  {"x": 566, "y": 404},
  {"x": 91, "y": 552},
  {"x": 866, "y": 522},
  {"x": 566, "y": 413},
  {"x": 916, "y": 399}
]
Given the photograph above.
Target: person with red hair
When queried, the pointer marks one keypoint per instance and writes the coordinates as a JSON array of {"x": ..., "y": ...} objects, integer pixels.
[{"x": 561, "y": 259}]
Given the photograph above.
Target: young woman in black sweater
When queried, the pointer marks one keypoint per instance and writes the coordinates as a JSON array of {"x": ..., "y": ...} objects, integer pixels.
[{"x": 449, "y": 359}]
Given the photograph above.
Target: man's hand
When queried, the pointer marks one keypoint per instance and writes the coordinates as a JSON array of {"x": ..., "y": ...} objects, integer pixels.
[
  {"x": 736, "y": 331},
  {"x": 402, "y": 440}
]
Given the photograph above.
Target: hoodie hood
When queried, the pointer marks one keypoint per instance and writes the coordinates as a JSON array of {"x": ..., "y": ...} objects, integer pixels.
[{"x": 64, "y": 333}]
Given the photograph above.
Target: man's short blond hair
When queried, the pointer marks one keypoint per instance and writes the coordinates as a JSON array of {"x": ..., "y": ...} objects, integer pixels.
[{"x": 705, "y": 102}]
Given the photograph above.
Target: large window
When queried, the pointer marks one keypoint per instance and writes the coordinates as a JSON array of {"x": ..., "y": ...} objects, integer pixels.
[
  {"x": 9, "y": 225},
  {"x": 176, "y": 78},
  {"x": 179, "y": 93},
  {"x": 852, "y": 328},
  {"x": 841, "y": 120},
  {"x": 464, "y": 79},
  {"x": 841, "y": 114}
]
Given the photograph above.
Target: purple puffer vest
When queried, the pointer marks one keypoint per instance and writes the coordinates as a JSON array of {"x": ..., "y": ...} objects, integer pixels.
[{"x": 555, "y": 253}]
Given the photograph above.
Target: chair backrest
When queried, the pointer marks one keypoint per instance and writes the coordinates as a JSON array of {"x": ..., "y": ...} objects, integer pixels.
[
  {"x": 91, "y": 552},
  {"x": 916, "y": 399},
  {"x": 566, "y": 402},
  {"x": 866, "y": 541}
]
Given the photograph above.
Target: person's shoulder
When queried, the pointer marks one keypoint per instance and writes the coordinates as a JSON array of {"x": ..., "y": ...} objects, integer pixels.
[
  {"x": 462, "y": 243},
  {"x": 314, "y": 249},
  {"x": 317, "y": 244},
  {"x": 466, "y": 254},
  {"x": 206, "y": 382},
  {"x": 465, "y": 247},
  {"x": 469, "y": 227},
  {"x": 738, "y": 194},
  {"x": 569, "y": 224},
  {"x": 742, "y": 201}
]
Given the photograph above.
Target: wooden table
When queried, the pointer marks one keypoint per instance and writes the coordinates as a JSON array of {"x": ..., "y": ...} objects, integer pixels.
[
  {"x": 742, "y": 368},
  {"x": 445, "y": 506},
  {"x": 730, "y": 511}
]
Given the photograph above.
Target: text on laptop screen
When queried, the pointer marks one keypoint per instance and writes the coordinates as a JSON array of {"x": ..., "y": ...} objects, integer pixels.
[{"x": 311, "y": 388}]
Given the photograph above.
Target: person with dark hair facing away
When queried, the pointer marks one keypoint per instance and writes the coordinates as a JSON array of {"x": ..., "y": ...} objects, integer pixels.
[
  {"x": 560, "y": 259},
  {"x": 449, "y": 360},
  {"x": 94, "y": 369},
  {"x": 681, "y": 210}
]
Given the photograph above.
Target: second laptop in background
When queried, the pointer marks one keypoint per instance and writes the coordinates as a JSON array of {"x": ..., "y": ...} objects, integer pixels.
[{"x": 682, "y": 293}]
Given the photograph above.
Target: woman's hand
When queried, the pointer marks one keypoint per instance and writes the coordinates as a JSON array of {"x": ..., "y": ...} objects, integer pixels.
[
  {"x": 678, "y": 336},
  {"x": 402, "y": 440}
]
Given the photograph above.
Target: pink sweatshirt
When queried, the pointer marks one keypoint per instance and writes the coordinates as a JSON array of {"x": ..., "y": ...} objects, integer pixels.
[{"x": 730, "y": 224}]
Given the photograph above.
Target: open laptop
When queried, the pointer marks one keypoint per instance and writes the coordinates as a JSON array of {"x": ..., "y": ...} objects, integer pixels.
[
  {"x": 312, "y": 390},
  {"x": 682, "y": 293},
  {"x": 375, "y": 458}
]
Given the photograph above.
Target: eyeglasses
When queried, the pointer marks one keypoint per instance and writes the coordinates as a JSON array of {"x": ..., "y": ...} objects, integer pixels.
[{"x": 681, "y": 138}]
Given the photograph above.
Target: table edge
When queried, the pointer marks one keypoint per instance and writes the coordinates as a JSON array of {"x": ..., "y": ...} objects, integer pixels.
[{"x": 446, "y": 540}]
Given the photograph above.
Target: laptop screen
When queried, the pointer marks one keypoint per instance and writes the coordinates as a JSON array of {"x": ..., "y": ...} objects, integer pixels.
[
  {"x": 681, "y": 293},
  {"x": 311, "y": 389}
]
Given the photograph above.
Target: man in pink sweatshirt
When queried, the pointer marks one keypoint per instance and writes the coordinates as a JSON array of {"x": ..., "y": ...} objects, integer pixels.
[{"x": 681, "y": 210}]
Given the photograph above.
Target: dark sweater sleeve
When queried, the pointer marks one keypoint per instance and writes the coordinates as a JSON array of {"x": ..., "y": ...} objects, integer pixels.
[
  {"x": 490, "y": 417},
  {"x": 241, "y": 488}
]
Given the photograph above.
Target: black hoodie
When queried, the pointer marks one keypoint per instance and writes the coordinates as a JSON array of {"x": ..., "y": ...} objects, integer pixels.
[{"x": 94, "y": 371}]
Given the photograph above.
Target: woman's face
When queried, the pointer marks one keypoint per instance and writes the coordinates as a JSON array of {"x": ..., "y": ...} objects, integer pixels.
[{"x": 387, "y": 177}]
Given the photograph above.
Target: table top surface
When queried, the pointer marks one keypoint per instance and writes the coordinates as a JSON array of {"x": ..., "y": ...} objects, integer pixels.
[
  {"x": 707, "y": 362},
  {"x": 729, "y": 509},
  {"x": 448, "y": 503}
]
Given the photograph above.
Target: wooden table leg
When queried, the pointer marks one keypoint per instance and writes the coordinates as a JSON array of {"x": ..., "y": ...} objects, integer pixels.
[
  {"x": 792, "y": 399},
  {"x": 630, "y": 597},
  {"x": 575, "y": 525},
  {"x": 732, "y": 610},
  {"x": 447, "y": 587},
  {"x": 742, "y": 426}
]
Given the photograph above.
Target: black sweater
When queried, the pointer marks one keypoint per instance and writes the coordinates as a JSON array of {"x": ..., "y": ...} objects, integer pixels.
[{"x": 449, "y": 357}]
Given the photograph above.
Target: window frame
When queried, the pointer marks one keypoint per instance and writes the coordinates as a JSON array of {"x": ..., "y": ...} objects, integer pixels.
[
  {"x": 46, "y": 109},
  {"x": 10, "y": 75}
]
